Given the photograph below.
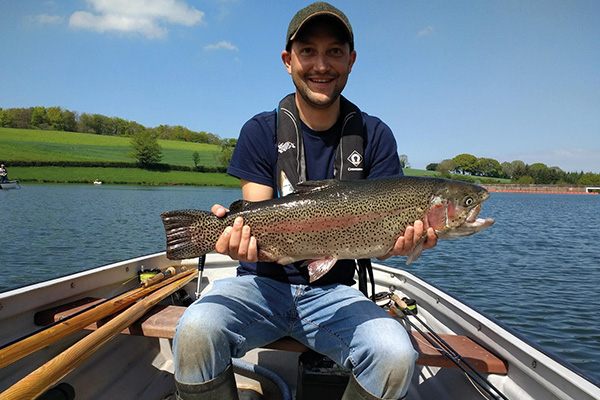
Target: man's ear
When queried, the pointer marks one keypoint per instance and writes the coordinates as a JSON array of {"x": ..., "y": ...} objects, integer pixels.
[
  {"x": 286, "y": 57},
  {"x": 352, "y": 60}
]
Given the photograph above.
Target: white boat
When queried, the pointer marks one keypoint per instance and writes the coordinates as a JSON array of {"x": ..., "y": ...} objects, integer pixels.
[
  {"x": 10, "y": 185},
  {"x": 138, "y": 364}
]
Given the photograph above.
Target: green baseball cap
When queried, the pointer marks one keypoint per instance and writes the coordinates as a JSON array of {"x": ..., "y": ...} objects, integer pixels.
[{"x": 318, "y": 9}]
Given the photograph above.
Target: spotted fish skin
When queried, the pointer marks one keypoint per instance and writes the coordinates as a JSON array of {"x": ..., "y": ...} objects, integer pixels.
[{"x": 332, "y": 220}]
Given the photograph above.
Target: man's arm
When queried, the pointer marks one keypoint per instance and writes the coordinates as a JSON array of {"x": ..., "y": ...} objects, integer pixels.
[{"x": 236, "y": 241}]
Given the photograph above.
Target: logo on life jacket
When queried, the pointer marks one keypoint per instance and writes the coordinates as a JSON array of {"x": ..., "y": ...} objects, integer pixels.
[
  {"x": 355, "y": 159},
  {"x": 283, "y": 147}
]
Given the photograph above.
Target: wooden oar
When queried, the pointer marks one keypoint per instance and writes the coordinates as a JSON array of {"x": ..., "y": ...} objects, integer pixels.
[
  {"x": 40, "y": 380},
  {"x": 30, "y": 344}
]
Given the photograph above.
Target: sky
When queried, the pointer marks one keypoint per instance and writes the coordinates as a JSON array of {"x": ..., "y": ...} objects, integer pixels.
[{"x": 508, "y": 80}]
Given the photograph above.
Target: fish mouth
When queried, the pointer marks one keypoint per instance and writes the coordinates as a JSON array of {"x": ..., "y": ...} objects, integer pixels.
[
  {"x": 469, "y": 227},
  {"x": 473, "y": 213}
]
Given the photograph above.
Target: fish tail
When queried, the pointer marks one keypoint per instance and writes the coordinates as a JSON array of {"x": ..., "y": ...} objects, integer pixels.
[{"x": 190, "y": 233}]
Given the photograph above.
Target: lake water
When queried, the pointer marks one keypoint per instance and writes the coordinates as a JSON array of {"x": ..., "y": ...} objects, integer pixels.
[{"x": 537, "y": 270}]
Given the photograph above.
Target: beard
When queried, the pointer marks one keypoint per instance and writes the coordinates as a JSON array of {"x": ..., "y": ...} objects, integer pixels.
[{"x": 318, "y": 99}]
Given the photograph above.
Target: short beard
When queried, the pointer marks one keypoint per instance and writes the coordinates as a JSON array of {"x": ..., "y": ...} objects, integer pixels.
[{"x": 309, "y": 98}]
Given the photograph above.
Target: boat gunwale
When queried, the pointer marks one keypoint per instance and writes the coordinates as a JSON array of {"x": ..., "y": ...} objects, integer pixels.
[{"x": 495, "y": 330}]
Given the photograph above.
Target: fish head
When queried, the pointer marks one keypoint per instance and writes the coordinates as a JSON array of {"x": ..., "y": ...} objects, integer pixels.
[{"x": 454, "y": 208}]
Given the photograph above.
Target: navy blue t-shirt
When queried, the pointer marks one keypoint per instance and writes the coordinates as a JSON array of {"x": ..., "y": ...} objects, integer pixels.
[{"x": 255, "y": 159}]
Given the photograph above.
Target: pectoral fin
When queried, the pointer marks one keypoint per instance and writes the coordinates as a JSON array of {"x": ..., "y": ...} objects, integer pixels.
[
  {"x": 416, "y": 251},
  {"x": 318, "y": 268}
]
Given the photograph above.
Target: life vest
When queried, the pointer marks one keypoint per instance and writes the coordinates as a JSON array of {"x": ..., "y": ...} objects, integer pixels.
[
  {"x": 291, "y": 161},
  {"x": 349, "y": 159}
]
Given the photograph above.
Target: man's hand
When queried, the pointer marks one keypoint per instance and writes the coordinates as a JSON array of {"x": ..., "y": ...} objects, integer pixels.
[
  {"x": 406, "y": 243},
  {"x": 236, "y": 241}
]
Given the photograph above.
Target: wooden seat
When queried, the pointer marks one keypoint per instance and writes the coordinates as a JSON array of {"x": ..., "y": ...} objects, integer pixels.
[{"x": 160, "y": 322}]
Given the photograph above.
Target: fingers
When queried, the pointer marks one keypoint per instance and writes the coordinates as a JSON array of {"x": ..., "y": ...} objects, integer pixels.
[
  {"x": 237, "y": 242},
  {"x": 431, "y": 240},
  {"x": 407, "y": 242},
  {"x": 219, "y": 210}
]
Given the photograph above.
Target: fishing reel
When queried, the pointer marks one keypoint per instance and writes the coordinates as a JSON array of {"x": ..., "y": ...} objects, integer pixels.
[{"x": 385, "y": 301}]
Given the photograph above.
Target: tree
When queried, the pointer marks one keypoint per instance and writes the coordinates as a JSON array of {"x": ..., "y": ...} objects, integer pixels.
[
  {"x": 445, "y": 167},
  {"x": 540, "y": 173},
  {"x": 404, "y": 161},
  {"x": 465, "y": 164},
  {"x": 6, "y": 119},
  {"x": 146, "y": 149},
  {"x": 431, "y": 167},
  {"x": 514, "y": 170},
  {"x": 489, "y": 167},
  {"x": 39, "y": 118},
  {"x": 589, "y": 179},
  {"x": 196, "y": 158},
  {"x": 55, "y": 118}
]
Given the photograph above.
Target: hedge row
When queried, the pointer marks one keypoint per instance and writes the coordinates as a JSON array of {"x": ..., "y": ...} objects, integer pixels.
[{"x": 116, "y": 164}]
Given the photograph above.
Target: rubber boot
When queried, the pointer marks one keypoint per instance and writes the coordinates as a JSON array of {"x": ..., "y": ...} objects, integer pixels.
[
  {"x": 355, "y": 391},
  {"x": 221, "y": 387}
]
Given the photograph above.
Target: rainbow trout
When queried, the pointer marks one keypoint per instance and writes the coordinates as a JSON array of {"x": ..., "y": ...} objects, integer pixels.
[{"x": 326, "y": 221}]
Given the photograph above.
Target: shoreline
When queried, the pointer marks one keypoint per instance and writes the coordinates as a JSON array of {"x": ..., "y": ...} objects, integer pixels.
[{"x": 540, "y": 191}]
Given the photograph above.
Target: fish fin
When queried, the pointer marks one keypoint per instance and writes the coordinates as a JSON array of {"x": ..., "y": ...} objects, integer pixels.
[
  {"x": 318, "y": 268},
  {"x": 311, "y": 186},
  {"x": 238, "y": 206},
  {"x": 190, "y": 233},
  {"x": 416, "y": 251}
]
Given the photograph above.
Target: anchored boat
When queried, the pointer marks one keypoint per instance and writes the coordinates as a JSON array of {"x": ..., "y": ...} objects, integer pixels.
[
  {"x": 462, "y": 353},
  {"x": 10, "y": 185}
]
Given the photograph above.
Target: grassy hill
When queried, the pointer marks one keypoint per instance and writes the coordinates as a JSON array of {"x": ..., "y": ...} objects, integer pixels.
[{"x": 35, "y": 145}]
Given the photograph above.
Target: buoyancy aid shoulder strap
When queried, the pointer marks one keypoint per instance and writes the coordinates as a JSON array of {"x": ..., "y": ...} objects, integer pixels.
[
  {"x": 349, "y": 162},
  {"x": 291, "y": 162},
  {"x": 291, "y": 165}
]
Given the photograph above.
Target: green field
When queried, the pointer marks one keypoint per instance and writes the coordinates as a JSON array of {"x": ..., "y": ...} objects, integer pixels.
[
  {"x": 131, "y": 176},
  {"x": 34, "y": 145},
  {"x": 55, "y": 146}
]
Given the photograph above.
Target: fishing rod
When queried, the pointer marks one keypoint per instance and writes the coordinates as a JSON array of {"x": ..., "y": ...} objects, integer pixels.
[{"x": 444, "y": 348}]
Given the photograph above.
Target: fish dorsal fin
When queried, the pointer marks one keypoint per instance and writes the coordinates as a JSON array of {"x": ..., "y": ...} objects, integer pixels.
[
  {"x": 311, "y": 186},
  {"x": 238, "y": 206}
]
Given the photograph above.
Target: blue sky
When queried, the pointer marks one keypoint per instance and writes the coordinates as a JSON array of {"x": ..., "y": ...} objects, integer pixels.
[{"x": 509, "y": 80}]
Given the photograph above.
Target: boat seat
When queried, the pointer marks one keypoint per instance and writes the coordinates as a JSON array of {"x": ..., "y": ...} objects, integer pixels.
[{"x": 160, "y": 322}]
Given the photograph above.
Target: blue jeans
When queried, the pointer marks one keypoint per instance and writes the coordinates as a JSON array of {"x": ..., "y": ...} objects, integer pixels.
[{"x": 243, "y": 313}]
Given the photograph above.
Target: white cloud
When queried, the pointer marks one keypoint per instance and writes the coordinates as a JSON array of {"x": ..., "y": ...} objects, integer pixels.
[
  {"x": 48, "y": 19},
  {"x": 427, "y": 31},
  {"x": 222, "y": 45},
  {"x": 146, "y": 17}
]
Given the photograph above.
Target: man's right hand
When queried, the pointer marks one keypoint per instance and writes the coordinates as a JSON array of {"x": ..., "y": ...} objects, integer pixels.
[{"x": 236, "y": 241}]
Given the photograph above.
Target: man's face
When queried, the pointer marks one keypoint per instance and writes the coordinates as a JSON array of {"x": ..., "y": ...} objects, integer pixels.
[{"x": 319, "y": 64}]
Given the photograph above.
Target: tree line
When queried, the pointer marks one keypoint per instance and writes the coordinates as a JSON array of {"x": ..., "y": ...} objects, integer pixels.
[
  {"x": 517, "y": 171},
  {"x": 144, "y": 140},
  {"x": 58, "y": 119}
]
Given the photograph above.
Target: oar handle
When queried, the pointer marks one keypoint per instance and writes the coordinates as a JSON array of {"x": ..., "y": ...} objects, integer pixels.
[{"x": 159, "y": 277}]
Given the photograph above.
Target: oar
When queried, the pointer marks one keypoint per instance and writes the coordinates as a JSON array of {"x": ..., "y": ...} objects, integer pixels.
[
  {"x": 17, "y": 350},
  {"x": 48, "y": 374}
]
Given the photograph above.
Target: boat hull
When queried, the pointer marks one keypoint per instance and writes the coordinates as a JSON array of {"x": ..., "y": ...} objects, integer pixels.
[
  {"x": 141, "y": 367},
  {"x": 10, "y": 185}
]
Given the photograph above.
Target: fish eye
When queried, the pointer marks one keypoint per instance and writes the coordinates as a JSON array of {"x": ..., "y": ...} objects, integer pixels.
[{"x": 468, "y": 201}]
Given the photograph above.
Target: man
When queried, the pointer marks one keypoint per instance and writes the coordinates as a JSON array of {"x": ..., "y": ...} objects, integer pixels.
[
  {"x": 3, "y": 174},
  {"x": 315, "y": 134}
]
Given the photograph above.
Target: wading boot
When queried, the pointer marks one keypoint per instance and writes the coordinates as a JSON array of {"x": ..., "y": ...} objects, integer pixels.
[
  {"x": 221, "y": 387},
  {"x": 355, "y": 391}
]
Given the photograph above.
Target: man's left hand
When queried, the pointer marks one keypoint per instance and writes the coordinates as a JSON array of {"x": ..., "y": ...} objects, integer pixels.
[{"x": 406, "y": 243}]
